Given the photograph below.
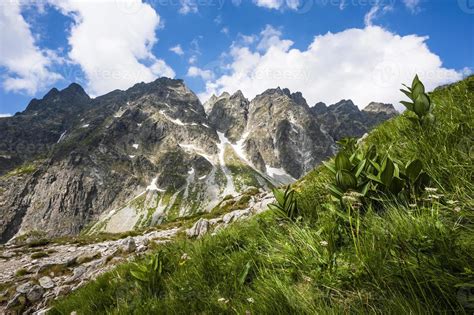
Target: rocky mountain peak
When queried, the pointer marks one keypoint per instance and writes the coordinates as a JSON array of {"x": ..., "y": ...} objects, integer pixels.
[
  {"x": 344, "y": 105},
  {"x": 319, "y": 108},
  {"x": 107, "y": 161},
  {"x": 375, "y": 107},
  {"x": 72, "y": 96}
]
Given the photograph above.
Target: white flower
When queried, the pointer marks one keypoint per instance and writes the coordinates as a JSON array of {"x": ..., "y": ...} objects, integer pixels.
[
  {"x": 307, "y": 279},
  {"x": 250, "y": 300},
  {"x": 323, "y": 243},
  {"x": 431, "y": 189},
  {"x": 457, "y": 209},
  {"x": 223, "y": 300},
  {"x": 433, "y": 196}
]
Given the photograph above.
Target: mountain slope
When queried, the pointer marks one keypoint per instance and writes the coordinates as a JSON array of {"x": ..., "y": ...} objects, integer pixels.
[
  {"x": 405, "y": 258},
  {"x": 148, "y": 155}
]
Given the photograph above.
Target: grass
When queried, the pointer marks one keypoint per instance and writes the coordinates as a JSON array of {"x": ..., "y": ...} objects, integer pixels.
[
  {"x": 39, "y": 255},
  {"x": 403, "y": 260},
  {"x": 22, "y": 170}
]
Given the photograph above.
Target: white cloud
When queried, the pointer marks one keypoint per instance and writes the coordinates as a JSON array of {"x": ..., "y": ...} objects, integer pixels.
[
  {"x": 177, "y": 50},
  {"x": 112, "y": 42},
  {"x": 278, "y": 4},
  {"x": 198, "y": 72},
  {"x": 412, "y": 5},
  {"x": 188, "y": 6},
  {"x": 225, "y": 30},
  {"x": 27, "y": 66},
  {"x": 5, "y": 115},
  {"x": 375, "y": 12},
  {"x": 360, "y": 64},
  {"x": 270, "y": 4},
  {"x": 192, "y": 59}
]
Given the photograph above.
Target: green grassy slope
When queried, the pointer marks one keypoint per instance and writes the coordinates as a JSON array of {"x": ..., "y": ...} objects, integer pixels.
[{"x": 404, "y": 259}]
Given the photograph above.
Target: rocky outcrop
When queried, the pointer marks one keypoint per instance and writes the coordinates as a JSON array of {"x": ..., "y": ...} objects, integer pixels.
[
  {"x": 344, "y": 119},
  {"x": 36, "y": 271}
]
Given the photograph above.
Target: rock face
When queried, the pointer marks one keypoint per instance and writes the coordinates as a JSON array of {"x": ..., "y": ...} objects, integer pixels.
[
  {"x": 153, "y": 153},
  {"x": 344, "y": 119}
]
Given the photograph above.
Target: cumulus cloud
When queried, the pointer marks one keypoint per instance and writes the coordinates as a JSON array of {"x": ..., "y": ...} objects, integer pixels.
[
  {"x": 28, "y": 67},
  {"x": 5, "y": 115},
  {"x": 360, "y": 64},
  {"x": 177, "y": 50},
  {"x": 112, "y": 42},
  {"x": 198, "y": 72}
]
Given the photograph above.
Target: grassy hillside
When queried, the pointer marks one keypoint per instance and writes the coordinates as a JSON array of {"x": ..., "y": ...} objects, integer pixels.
[{"x": 401, "y": 257}]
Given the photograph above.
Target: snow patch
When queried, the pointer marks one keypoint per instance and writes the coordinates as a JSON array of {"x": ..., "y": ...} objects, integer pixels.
[
  {"x": 174, "y": 121},
  {"x": 131, "y": 156},
  {"x": 197, "y": 150},
  {"x": 135, "y": 146},
  {"x": 85, "y": 126},
  {"x": 153, "y": 186},
  {"x": 279, "y": 174},
  {"x": 230, "y": 188},
  {"x": 61, "y": 136}
]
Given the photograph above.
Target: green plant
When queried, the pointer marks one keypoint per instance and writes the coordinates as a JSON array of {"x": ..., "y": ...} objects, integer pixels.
[
  {"x": 420, "y": 101},
  {"x": 286, "y": 204},
  {"x": 148, "y": 273},
  {"x": 371, "y": 176}
]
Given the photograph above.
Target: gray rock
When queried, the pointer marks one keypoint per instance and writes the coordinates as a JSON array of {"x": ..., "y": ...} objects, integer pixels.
[
  {"x": 129, "y": 245},
  {"x": 76, "y": 274},
  {"x": 17, "y": 300},
  {"x": 198, "y": 229},
  {"x": 46, "y": 282},
  {"x": 35, "y": 293},
  {"x": 235, "y": 215},
  {"x": 62, "y": 290},
  {"x": 24, "y": 288}
]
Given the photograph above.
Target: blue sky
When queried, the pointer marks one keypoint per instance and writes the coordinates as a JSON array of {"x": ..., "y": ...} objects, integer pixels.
[{"x": 328, "y": 49}]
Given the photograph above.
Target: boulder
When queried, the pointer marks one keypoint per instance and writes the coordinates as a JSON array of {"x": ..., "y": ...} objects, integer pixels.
[
  {"x": 46, "y": 282},
  {"x": 198, "y": 229}
]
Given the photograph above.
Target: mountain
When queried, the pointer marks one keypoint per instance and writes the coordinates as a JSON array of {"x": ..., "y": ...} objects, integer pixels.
[
  {"x": 153, "y": 153},
  {"x": 405, "y": 253},
  {"x": 344, "y": 119}
]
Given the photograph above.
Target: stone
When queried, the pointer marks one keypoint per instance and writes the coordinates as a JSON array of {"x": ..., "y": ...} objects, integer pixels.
[
  {"x": 62, "y": 290},
  {"x": 17, "y": 300},
  {"x": 46, "y": 282},
  {"x": 86, "y": 257},
  {"x": 76, "y": 274},
  {"x": 198, "y": 229},
  {"x": 235, "y": 215},
  {"x": 35, "y": 293},
  {"x": 129, "y": 245},
  {"x": 141, "y": 248},
  {"x": 24, "y": 288}
]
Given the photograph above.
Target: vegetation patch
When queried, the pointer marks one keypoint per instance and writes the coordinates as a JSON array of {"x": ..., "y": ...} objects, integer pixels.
[{"x": 392, "y": 255}]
